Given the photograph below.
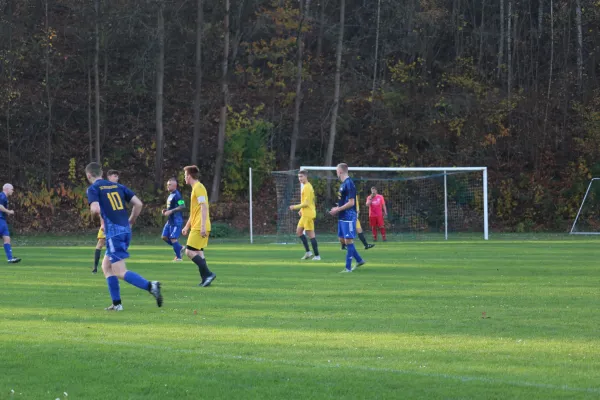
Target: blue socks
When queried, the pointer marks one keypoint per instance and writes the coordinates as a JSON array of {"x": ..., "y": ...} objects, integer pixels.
[
  {"x": 167, "y": 241},
  {"x": 113, "y": 288},
  {"x": 177, "y": 248},
  {"x": 8, "y": 251},
  {"x": 136, "y": 280},
  {"x": 351, "y": 252}
]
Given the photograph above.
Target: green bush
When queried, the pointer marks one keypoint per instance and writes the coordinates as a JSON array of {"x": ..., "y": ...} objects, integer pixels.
[{"x": 221, "y": 230}]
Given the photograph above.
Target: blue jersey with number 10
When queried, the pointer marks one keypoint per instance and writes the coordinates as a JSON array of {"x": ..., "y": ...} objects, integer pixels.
[{"x": 113, "y": 199}]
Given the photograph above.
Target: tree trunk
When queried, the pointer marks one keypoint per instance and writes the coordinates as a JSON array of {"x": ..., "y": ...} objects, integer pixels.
[
  {"x": 321, "y": 29},
  {"x": 97, "y": 80},
  {"x": 579, "y": 45},
  {"x": 216, "y": 186},
  {"x": 336, "y": 95},
  {"x": 551, "y": 63},
  {"x": 160, "y": 76},
  {"x": 49, "y": 100},
  {"x": 10, "y": 85},
  {"x": 198, "y": 97},
  {"x": 508, "y": 48},
  {"x": 91, "y": 136},
  {"x": 501, "y": 49},
  {"x": 298, "y": 99},
  {"x": 481, "y": 30},
  {"x": 376, "y": 48}
]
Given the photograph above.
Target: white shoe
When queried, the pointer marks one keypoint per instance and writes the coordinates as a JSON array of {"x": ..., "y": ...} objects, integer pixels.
[
  {"x": 317, "y": 258},
  {"x": 307, "y": 255},
  {"x": 115, "y": 308},
  {"x": 177, "y": 259},
  {"x": 345, "y": 270}
]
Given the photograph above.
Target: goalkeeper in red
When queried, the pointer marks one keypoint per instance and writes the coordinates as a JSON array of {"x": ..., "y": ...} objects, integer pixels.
[
  {"x": 308, "y": 213},
  {"x": 377, "y": 210}
]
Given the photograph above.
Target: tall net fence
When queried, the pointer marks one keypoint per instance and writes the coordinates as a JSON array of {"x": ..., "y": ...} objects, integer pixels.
[{"x": 421, "y": 205}]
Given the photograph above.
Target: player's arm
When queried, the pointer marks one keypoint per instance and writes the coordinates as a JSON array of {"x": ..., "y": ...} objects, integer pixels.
[
  {"x": 6, "y": 210},
  {"x": 204, "y": 213},
  {"x": 384, "y": 208},
  {"x": 187, "y": 226},
  {"x": 136, "y": 209},
  {"x": 180, "y": 207},
  {"x": 95, "y": 208},
  {"x": 369, "y": 200}
]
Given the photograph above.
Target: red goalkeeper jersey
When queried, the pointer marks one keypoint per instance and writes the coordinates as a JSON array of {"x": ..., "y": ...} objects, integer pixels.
[{"x": 376, "y": 207}]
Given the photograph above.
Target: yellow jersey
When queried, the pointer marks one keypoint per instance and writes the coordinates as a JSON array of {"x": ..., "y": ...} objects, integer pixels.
[
  {"x": 199, "y": 196},
  {"x": 308, "y": 201}
]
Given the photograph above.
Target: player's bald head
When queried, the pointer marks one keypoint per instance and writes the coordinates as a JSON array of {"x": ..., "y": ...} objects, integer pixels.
[{"x": 7, "y": 186}]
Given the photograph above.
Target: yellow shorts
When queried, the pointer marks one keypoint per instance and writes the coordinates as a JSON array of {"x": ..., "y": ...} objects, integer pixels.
[
  {"x": 307, "y": 223},
  {"x": 101, "y": 234},
  {"x": 196, "y": 241},
  {"x": 358, "y": 225}
]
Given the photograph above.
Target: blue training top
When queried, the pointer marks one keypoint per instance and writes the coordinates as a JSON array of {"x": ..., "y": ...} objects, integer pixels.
[
  {"x": 175, "y": 200},
  {"x": 113, "y": 198},
  {"x": 3, "y": 202},
  {"x": 347, "y": 192}
]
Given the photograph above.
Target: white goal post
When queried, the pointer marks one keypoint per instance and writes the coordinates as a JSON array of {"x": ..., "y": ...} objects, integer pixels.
[
  {"x": 587, "y": 221},
  {"x": 423, "y": 201}
]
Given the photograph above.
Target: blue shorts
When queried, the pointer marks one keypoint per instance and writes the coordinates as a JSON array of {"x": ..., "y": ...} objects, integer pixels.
[
  {"x": 116, "y": 247},
  {"x": 3, "y": 228},
  {"x": 347, "y": 229},
  {"x": 171, "y": 231}
]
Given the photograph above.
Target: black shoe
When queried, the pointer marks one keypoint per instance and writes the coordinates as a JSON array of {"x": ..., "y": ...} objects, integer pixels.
[
  {"x": 95, "y": 270},
  {"x": 369, "y": 246},
  {"x": 343, "y": 248},
  {"x": 206, "y": 282},
  {"x": 14, "y": 260}
]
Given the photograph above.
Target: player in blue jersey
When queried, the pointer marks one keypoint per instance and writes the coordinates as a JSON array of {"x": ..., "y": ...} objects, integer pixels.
[
  {"x": 346, "y": 212},
  {"x": 7, "y": 191},
  {"x": 109, "y": 200},
  {"x": 172, "y": 229},
  {"x": 113, "y": 176}
]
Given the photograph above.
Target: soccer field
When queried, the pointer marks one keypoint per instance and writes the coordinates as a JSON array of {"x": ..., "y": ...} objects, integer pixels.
[{"x": 409, "y": 324}]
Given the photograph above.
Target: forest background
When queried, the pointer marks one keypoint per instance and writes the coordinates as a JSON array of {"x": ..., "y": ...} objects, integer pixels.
[{"x": 148, "y": 86}]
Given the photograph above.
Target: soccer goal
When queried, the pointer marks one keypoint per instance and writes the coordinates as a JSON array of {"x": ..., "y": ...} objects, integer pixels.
[
  {"x": 422, "y": 203},
  {"x": 587, "y": 221}
]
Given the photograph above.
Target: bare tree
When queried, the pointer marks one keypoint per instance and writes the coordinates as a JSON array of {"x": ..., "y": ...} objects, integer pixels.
[
  {"x": 49, "y": 100},
  {"x": 198, "y": 97},
  {"x": 481, "y": 30},
  {"x": 160, "y": 76},
  {"x": 298, "y": 99},
  {"x": 97, "y": 79},
  {"x": 551, "y": 62},
  {"x": 336, "y": 95},
  {"x": 216, "y": 186},
  {"x": 579, "y": 44},
  {"x": 508, "y": 46},
  {"x": 91, "y": 136},
  {"x": 501, "y": 49},
  {"x": 321, "y": 29},
  {"x": 376, "y": 47}
]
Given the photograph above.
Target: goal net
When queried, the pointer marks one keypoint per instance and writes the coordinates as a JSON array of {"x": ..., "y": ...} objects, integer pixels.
[
  {"x": 422, "y": 203},
  {"x": 587, "y": 221}
]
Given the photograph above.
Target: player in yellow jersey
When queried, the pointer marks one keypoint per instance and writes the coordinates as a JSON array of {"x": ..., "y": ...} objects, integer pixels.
[
  {"x": 198, "y": 225},
  {"x": 308, "y": 213},
  {"x": 113, "y": 176},
  {"x": 359, "y": 230}
]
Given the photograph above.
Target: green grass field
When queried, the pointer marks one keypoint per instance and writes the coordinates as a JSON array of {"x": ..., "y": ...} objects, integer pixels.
[{"x": 408, "y": 325}]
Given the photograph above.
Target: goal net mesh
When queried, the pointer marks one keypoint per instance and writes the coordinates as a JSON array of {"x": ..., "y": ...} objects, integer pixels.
[{"x": 416, "y": 202}]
